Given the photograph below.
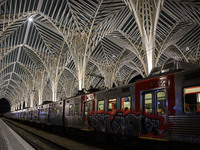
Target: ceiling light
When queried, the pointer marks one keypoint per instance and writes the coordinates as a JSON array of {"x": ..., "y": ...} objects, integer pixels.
[{"x": 30, "y": 19}]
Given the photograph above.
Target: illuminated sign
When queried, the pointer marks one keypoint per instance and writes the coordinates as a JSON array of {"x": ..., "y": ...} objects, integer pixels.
[{"x": 192, "y": 90}]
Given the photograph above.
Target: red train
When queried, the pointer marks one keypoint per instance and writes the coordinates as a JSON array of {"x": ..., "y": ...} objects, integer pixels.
[{"x": 164, "y": 106}]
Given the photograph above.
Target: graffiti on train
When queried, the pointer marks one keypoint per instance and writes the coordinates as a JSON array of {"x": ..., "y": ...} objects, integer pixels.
[{"x": 129, "y": 124}]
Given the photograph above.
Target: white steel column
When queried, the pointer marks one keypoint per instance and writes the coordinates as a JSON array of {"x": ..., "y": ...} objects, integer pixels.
[
  {"x": 31, "y": 99},
  {"x": 22, "y": 102},
  {"x": 19, "y": 105},
  {"x": 146, "y": 13},
  {"x": 26, "y": 101}
]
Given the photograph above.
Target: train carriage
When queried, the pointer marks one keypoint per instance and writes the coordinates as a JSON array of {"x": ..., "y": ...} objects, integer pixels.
[
  {"x": 164, "y": 106},
  {"x": 184, "y": 125}
]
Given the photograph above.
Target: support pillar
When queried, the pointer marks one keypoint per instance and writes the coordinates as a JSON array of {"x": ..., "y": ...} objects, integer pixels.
[
  {"x": 31, "y": 99},
  {"x": 22, "y": 103},
  {"x": 146, "y": 14},
  {"x": 54, "y": 91},
  {"x": 26, "y": 101},
  {"x": 19, "y": 105}
]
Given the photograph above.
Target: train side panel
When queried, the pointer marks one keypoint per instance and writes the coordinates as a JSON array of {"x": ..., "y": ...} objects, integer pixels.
[
  {"x": 184, "y": 125},
  {"x": 55, "y": 114},
  {"x": 115, "y": 112},
  {"x": 43, "y": 113},
  {"x": 73, "y": 116}
]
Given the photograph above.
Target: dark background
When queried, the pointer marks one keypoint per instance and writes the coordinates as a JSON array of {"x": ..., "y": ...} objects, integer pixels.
[{"x": 4, "y": 106}]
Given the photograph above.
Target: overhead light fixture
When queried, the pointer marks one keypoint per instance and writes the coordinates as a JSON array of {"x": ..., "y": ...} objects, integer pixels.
[{"x": 30, "y": 19}]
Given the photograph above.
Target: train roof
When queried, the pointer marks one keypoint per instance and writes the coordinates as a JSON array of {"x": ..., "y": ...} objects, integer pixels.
[{"x": 171, "y": 66}]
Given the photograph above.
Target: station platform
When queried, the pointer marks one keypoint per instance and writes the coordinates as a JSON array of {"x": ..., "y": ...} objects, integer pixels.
[{"x": 10, "y": 140}]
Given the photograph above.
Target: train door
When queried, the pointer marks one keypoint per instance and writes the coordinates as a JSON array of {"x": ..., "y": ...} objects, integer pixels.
[
  {"x": 155, "y": 102},
  {"x": 88, "y": 107},
  {"x": 88, "y": 104}
]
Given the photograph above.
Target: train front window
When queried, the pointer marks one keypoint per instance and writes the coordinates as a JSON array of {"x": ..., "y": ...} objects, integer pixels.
[
  {"x": 112, "y": 104},
  {"x": 192, "y": 99},
  {"x": 148, "y": 103},
  {"x": 161, "y": 103},
  {"x": 126, "y": 103},
  {"x": 100, "y": 105}
]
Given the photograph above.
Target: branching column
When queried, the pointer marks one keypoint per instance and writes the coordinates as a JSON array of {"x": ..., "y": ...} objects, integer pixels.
[
  {"x": 146, "y": 13},
  {"x": 26, "y": 100},
  {"x": 107, "y": 72},
  {"x": 40, "y": 78},
  {"x": 81, "y": 47},
  {"x": 54, "y": 75},
  {"x": 31, "y": 98},
  {"x": 19, "y": 105},
  {"x": 54, "y": 84},
  {"x": 31, "y": 92},
  {"x": 22, "y": 104},
  {"x": 80, "y": 58},
  {"x": 13, "y": 107}
]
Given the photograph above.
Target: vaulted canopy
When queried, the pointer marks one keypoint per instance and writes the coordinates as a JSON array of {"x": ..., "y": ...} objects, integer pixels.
[{"x": 50, "y": 49}]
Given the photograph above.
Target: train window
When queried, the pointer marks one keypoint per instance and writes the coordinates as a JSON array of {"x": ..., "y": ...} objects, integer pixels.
[
  {"x": 161, "y": 102},
  {"x": 148, "y": 103},
  {"x": 71, "y": 109},
  {"x": 126, "y": 103},
  {"x": 192, "y": 99},
  {"x": 57, "y": 111},
  {"x": 112, "y": 104},
  {"x": 100, "y": 105},
  {"x": 76, "y": 109}
]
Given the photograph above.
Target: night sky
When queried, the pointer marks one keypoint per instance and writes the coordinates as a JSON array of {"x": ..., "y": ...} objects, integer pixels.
[{"x": 4, "y": 106}]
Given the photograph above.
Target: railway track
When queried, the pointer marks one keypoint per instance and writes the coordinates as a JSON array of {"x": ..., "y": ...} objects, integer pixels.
[
  {"x": 42, "y": 140},
  {"x": 81, "y": 140}
]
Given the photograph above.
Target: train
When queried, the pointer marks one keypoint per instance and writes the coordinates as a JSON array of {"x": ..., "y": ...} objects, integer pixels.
[{"x": 164, "y": 106}]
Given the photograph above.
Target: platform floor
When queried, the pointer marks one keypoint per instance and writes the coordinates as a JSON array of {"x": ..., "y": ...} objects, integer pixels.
[{"x": 10, "y": 140}]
